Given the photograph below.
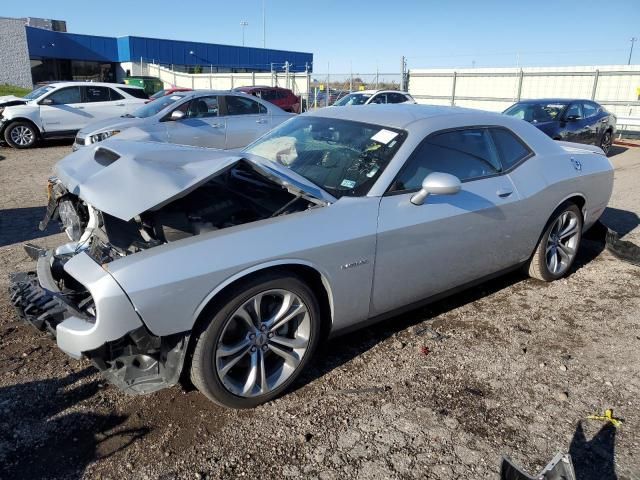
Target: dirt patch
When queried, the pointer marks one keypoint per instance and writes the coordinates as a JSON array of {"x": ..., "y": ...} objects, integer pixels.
[{"x": 513, "y": 367}]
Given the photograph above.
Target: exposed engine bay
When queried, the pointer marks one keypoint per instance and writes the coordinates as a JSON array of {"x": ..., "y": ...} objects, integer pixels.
[{"x": 236, "y": 196}]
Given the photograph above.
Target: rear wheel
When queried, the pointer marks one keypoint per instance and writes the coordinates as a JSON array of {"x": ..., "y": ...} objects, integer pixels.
[
  {"x": 21, "y": 135},
  {"x": 258, "y": 342},
  {"x": 606, "y": 141},
  {"x": 558, "y": 246}
]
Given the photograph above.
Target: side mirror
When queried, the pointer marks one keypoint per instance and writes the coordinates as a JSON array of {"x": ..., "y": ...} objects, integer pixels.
[
  {"x": 437, "y": 183},
  {"x": 46, "y": 101},
  {"x": 572, "y": 118},
  {"x": 177, "y": 115}
]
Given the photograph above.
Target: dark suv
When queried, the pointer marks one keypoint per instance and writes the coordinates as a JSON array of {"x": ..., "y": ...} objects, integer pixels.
[
  {"x": 580, "y": 121},
  {"x": 282, "y": 97}
]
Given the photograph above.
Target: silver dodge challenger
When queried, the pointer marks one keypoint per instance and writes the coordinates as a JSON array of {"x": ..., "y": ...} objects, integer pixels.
[{"x": 231, "y": 268}]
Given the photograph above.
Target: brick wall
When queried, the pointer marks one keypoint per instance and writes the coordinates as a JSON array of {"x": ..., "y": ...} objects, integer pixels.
[{"x": 15, "y": 67}]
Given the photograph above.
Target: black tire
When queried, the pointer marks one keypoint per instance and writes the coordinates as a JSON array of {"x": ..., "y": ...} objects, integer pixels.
[
  {"x": 538, "y": 266},
  {"x": 203, "y": 364},
  {"x": 28, "y": 132},
  {"x": 606, "y": 142}
]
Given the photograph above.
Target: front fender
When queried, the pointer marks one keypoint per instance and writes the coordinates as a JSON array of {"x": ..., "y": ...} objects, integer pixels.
[{"x": 282, "y": 262}]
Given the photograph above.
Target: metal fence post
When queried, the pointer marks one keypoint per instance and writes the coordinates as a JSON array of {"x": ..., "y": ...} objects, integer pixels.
[
  {"x": 253, "y": 79},
  {"x": 520, "y": 78},
  {"x": 453, "y": 89},
  {"x": 308, "y": 91},
  {"x": 595, "y": 84}
]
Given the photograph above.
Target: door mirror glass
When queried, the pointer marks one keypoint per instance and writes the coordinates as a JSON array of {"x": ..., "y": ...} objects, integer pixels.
[
  {"x": 437, "y": 183},
  {"x": 177, "y": 115}
]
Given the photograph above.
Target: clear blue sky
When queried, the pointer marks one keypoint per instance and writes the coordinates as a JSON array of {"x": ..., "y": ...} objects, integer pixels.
[{"x": 365, "y": 34}]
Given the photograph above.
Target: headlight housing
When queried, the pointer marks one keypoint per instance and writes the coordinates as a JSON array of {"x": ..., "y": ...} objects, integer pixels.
[
  {"x": 70, "y": 220},
  {"x": 99, "y": 137}
]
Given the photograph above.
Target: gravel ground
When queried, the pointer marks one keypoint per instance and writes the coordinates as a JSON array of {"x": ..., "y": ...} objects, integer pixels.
[{"x": 512, "y": 367}]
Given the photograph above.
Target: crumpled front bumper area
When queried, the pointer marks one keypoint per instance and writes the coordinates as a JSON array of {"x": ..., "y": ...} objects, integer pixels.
[
  {"x": 84, "y": 308},
  {"x": 34, "y": 304}
]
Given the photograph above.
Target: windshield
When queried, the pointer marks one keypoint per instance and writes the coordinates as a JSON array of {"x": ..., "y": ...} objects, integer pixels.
[
  {"x": 156, "y": 106},
  {"x": 536, "y": 112},
  {"x": 158, "y": 94},
  {"x": 38, "y": 92},
  {"x": 340, "y": 156},
  {"x": 353, "y": 99}
]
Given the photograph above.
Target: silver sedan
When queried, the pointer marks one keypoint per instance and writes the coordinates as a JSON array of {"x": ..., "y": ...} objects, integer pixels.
[
  {"x": 202, "y": 118},
  {"x": 234, "y": 267}
]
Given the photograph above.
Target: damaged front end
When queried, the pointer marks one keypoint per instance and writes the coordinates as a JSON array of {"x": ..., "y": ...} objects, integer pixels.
[{"x": 109, "y": 212}]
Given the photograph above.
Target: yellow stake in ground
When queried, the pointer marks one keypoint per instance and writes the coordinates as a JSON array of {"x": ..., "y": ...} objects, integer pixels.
[{"x": 607, "y": 417}]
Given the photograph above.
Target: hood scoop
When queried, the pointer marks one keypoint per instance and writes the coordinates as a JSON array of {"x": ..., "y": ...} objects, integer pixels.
[{"x": 105, "y": 156}]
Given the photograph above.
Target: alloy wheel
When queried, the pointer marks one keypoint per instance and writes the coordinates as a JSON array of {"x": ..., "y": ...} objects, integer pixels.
[
  {"x": 263, "y": 343},
  {"x": 606, "y": 142},
  {"x": 562, "y": 243},
  {"x": 22, "y": 135}
]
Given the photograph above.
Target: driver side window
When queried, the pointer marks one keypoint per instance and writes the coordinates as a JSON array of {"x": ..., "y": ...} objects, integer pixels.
[
  {"x": 66, "y": 96},
  {"x": 575, "y": 111},
  {"x": 468, "y": 154}
]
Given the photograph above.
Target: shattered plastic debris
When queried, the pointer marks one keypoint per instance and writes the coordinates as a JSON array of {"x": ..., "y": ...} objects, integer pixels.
[
  {"x": 424, "y": 350},
  {"x": 560, "y": 468}
]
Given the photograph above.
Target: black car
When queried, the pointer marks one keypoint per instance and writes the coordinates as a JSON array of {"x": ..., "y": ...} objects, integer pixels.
[{"x": 581, "y": 121}]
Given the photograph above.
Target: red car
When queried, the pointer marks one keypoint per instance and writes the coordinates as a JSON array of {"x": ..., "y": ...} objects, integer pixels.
[
  {"x": 281, "y": 97},
  {"x": 165, "y": 92}
]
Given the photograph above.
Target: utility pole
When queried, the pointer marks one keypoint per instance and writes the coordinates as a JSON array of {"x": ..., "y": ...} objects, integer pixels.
[
  {"x": 403, "y": 74},
  {"x": 264, "y": 26},
  {"x": 351, "y": 76},
  {"x": 243, "y": 24},
  {"x": 633, "y": 40}
]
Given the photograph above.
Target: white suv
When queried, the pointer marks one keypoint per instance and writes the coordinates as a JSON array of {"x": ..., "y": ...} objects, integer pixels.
[
  {"x": 367, "y": 97},
  {"x": 59, "y": 110}
]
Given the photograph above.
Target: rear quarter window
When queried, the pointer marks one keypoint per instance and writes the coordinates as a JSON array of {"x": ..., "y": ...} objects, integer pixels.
[
  {"x": 135, "y": 92},
  {"x": 510, "y": 148}
]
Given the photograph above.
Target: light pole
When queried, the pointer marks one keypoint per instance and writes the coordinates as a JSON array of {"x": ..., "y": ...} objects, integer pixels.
[
  {"x": 264, "y": 26},
  {"x": 633, "y": 40},
  {"x": 243, "y": 24}
]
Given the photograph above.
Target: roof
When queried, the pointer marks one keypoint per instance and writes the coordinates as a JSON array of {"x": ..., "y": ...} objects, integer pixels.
[
  {"x": 91, "y": 84},
  {"x": 552, "y": 100},
  {"x": 397, "y": 115}
]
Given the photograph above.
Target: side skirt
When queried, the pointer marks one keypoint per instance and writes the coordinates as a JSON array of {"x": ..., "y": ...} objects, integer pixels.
[{"x": 421, "y": 303}]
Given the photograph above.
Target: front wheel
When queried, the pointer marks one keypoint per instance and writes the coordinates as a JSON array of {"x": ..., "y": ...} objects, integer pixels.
[
  {"x": 558, "y": 246},
  {"x": 257, "y": 343},
  {"x": 21, "y": 135},
  {"x": 606, "y": 141}
]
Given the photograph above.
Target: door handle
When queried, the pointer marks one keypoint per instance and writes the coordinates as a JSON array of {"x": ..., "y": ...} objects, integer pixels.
[
  {"x": 262, "y": 120},
  {"x": 80, "y": 108},
  {"x": 217, "y": 125},
  {"x": 119, "y": 104},
  {"x": 504, "y": 192}
]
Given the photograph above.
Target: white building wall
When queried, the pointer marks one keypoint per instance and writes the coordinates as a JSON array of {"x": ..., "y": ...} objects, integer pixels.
[{"x": 15, "y": 67}]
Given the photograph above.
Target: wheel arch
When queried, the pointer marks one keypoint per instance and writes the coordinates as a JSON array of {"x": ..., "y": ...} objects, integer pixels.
[
  {"x": 576, "y": 198},
  {"x": 310, "y": 273},
  {"x": 22, "y": 119}
]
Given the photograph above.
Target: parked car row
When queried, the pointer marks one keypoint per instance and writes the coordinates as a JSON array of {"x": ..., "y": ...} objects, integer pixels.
[{"x": 231, "y": 268}]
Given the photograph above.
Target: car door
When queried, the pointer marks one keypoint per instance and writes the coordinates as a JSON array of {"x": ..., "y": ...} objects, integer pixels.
[
  {"x": 201, "y": 126},
  {"x": 450, "y": 240},
  {"x": 594, "y": 122},
  {"x": 246, "y": 120},
  {"x": 575, "y": 127},
  {"x": 98, "y": 104},
  {"x": 63, "y": 111}
]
